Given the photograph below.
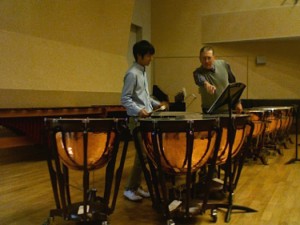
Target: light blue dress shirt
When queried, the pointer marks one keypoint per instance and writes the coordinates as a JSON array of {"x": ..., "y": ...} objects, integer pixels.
[{"x": 135, "y": 93}]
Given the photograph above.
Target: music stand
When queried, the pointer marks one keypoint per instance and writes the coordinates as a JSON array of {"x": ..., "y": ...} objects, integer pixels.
[{"x": 230, "y": 96}]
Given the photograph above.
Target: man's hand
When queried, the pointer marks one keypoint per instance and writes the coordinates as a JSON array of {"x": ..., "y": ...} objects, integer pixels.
[
  {"x": 165, "y": 104},
  {"x": 239, "y": 108},
  {"x": 143, "y": 113},
  {"x": 209, "y": 88}
]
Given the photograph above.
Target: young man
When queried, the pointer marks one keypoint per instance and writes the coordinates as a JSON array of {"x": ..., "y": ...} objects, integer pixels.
[
  {"x": 212, "y": 77},
  {"x": 138, "y": 103}
]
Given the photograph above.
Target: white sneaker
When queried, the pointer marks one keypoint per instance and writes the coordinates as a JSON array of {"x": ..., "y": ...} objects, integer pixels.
[
  {"x": 132, "y": 196},
  {"x": 143, "y": 193}
]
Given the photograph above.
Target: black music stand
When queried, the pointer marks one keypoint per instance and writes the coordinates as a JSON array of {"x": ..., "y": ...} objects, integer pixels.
[
  {"x": 230, "y": 96},
  {"x": 296, "y": 159}
]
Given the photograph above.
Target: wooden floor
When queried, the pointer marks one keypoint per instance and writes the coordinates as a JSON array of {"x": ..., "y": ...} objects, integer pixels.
[{"x": 26, "y": 196}]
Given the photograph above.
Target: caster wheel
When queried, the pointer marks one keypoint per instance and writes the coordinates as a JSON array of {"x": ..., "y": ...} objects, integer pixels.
[
  {"x": 214, "y": 215},
  {"x": 170, "y": 222}
]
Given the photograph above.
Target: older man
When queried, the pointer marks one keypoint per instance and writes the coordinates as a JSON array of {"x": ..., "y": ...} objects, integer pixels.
[{"x": 212, "y": 77}]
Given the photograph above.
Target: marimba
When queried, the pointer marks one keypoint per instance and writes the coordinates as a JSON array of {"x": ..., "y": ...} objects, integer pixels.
[{"x": 29, "y": 122}]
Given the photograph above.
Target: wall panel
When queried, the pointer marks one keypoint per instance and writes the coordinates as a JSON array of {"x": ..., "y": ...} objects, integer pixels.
[
  {"x": 67, "y": 47},
  {"x": 239, "y": 31},
  {"x": 272, "y": 23}
]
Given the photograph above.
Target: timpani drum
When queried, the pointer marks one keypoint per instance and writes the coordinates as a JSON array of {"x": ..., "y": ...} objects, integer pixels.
[
  {"x": 258, "y": 118},
  {"x": 278, "y": 121},
  {"x": 70, "y": 149},
  {"x": 179, "y": 143},
  {"x": 85, "y": 144},
  {"x": 177, "y": 146},
  {"x": 285, "y": 119},
  {"x": 272, "y": 116},
  {"x": 100, "y": 140},
  {"x": 290, "y": 116},
  {"x": 241, "y": 131},
  {"x": 174, "y": 135},
  {"x": 238, "y": 135}
]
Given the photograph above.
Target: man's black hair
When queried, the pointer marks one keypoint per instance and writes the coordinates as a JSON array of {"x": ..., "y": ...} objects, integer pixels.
[
  {"x": 206, "y": 48},
  {"x": 142, "y": 48}
]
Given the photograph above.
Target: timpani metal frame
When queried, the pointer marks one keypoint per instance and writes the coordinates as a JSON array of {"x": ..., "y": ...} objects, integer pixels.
[
  {"x": 235, "y": 157},
  {"x": 92, "y": 207},
  {"x": 160, "y": 171},
  {"x": 257, "y": 117},
  {"x": 235, "y": 152},
  {"x": 296, "y": 115},
  {"x": 278, "y": 121}
]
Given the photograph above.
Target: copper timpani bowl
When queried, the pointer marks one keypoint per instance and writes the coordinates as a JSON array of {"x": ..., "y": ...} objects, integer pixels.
[
  {"x": 278, "y": 118},
  {"x": 257, "y": 117},
  {"x": 172, "y": 142},
  {"x": 168, "y": 139},
  {"x": 272, "y": 116},
  {"x": 70, "y": 149},
  {"x": 76, "y": 137},
  {"x": 238, "y": 135},
  {"x": 285, "y": 114}
]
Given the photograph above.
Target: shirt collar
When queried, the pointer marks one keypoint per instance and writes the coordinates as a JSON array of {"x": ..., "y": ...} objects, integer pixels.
[
  {"x": 140, "y": 67},
  {"x": 213, "y": 69}
]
